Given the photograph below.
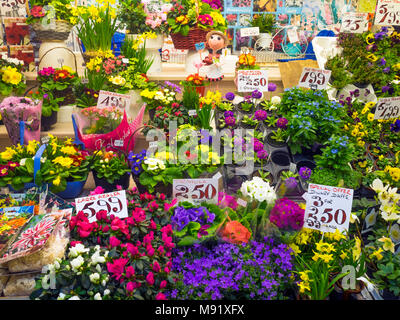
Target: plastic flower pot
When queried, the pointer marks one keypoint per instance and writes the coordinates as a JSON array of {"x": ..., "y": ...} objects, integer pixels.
[
  {"x": 159, "y": 188},
  {"x": 48, "y": 122},
  {"x": 305, "y": 163},
  {"x": 280, "y": 158},
  {"x": 27, "y": 186},
  {"x": 201, "y": 90},
  {"x": 109, "y": 187},
  {"x": 152, "y": 113},
  {"x": 274, "y": 143},
  {"x": 269, "y": 177},
  {"x": 73, "y": 190}
]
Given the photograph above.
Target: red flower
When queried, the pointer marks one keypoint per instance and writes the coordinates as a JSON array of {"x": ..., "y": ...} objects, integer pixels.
[
  {"x": 150, "y": 278},
  {"x": 37, "y": 12},
  {"x": 129, "y": 271},
  {"x": 114, "y": 242},
  {"x": 3, "y": 171},
  {"x": 163, "y": 284},
  {"x": 139, "y": 215},
  {"x": 117, "y": 267},
  {"x": 161, "y": 296},
  {"x": 74, "y": 243},
  {"x": 156, "y": 267},
  {"x": 13, "y": 165}
]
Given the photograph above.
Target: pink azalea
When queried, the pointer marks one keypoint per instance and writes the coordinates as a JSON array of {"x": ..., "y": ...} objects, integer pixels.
[
  {"x": 163, "y": 284},
  {"x": 129, "y": 271},
  {"x": 150, "y": 278},
  {"x": 156, "y": 266},
  {"x": 161, "y": 296},
  {"x": 114, "y": 242},
  {"x": 117, "y": 267}
]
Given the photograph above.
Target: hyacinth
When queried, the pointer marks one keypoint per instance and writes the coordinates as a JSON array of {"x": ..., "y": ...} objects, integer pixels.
[
  {"x": 258, "y": 270},
  {"x": 260, "y": 115},
  {"x": 305, "y": 173},
  {"x": 182, "y": 217},
  {"x": 287, "y": 215},
  {"x": 282, "y": 123}
]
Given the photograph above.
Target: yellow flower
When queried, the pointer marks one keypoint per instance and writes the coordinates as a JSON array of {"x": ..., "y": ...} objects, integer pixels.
[
  {"x": 355, "y": 132},
  {"x": 325, "y": 247},
  {"x": 304, "y": 287},
  {"x": 388, "y": 244},
  {"x": 337, "y": 235},
  {"x": 8, "y": 154},
  {"x": 63, "y": 161},
  {"x": 118, "y": 80},
  {"x": 57, "y": 181},
  {"x": 370, "y": 39},
  {"x": 363, "y": 164},
  {"x": 93, "y": 11},
  {"x": 372, "y": 57},
  {"x": 11, "y": 75},
  {"x": 68, "y": 150},
  {"x": 371, "y": 117},
  {"x": 295, "y": 248},
  {"x": 164, "y": 155},
  {"x": 357, "y": 249},
  {"x": 343, "y": 255},
  {"x": 304, "y": 275},
  {"x": 377, "y": 254},
  {"x": 32, "y": 147},
  {"x": 361, "y": 143}
]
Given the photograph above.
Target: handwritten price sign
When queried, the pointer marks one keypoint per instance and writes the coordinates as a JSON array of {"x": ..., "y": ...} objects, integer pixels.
[
  {"x": 387, "y": 13},
  {"x": 315, "y": 79},
  {"x": 114, "y": 203},
  {"x": 109, "y": 99},
  {"x": 249, "y": 32},
  {"x": 354, "y": 22},
  {"x": 13, "y": 5},
  {"x": 196, "y": 190},
  {"x": 328, "y": 208},
  {"x": 250, "y": 80},
  {"x": 388, "y": 108}
]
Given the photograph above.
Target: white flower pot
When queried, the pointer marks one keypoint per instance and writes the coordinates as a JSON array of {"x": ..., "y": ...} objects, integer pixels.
[
  {"x": 264, "y": 40},
  {"x": 56, "y": 54}
]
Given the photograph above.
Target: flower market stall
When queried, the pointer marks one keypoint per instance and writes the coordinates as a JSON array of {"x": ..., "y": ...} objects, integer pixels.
[{"x": 213, "y": 184}]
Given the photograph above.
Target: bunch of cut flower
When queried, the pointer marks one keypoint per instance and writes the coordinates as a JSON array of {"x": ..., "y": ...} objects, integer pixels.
[{"x": 96, "y": 120}]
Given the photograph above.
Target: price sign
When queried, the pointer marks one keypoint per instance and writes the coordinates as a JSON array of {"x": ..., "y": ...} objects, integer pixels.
[
  {"x": 114, "y": 203},
  {"x": 13, "y": 5},
  {"x": 328, "y": 208},
  {"x": 354, "y": 22},
  {"x": 250, "y": 80},
  {"x": 387, "y": 13},
  {"x": 315, "y": 79},
  {"x": 388, "y": 108},
  {"x": 196, "y": 190},
  {"x": 109, "y": 99},
  {"x": 192, "y": 113},
  {"x": 249, "y": 32}
]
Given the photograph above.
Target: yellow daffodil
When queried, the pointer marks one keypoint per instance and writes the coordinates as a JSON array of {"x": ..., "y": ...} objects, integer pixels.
[
  {"x": 357, "y": 249},
  {"x": 377, "y": 254},
  {"x": 343, "y": 255},
  {"x": 304, "y": 275},
  {"x": 295, "y": 248},
  {"x": 324, "y": 247},
  {"x": 303, "y": 287},
  {"x": 388, "y": 244}
]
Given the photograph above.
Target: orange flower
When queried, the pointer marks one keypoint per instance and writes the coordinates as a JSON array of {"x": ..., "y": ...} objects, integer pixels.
[
  {"x": 247, "y": 59},
  {"x": 236, "y": 233}
]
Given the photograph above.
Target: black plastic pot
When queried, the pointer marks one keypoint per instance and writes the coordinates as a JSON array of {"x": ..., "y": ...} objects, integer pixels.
[
  {"x": 109, "y": 187},
  {"x": 275, "y": 143},
  {"x": 152, "y": 113},
  {"x": 280, "y": 158},
  {"x": 306, "y": 163},
  {"x": 367, "y": 193},
  {"x": 48, "y": 122}
]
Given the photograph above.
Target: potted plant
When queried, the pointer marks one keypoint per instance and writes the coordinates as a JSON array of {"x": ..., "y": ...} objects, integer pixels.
[
  {"x": 277, "y": 138},
  {"x": 205, "y": 111},
  {"x": 50, "y": 107},
  {"x": 110, "y": 170},
  {"x": 12, "y": 79},
  {"x": 246, "y": 106},
  {"x": 198, "y": 82},
  {"x": 265, "y": 23}
]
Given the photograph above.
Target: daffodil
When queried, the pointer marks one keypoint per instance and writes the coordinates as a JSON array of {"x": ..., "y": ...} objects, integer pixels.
[
  {"x": 343, "y": 255},
  {"x": 388, "y": 244},
  {"x": 304, "y": 287},
  {"x": 357, "y": 249},
  {"x": 377, "y": 254},
  {"x": 295, "y": 248}
]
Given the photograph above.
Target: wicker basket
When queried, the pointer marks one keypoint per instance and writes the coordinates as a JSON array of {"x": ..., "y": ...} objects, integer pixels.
[
  {"x": 195, "y": 35},
  {"x": 59, "y": 33}
]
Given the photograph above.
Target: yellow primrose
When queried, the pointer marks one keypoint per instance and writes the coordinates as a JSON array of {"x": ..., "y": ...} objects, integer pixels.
[
  {"x": 8, "y": 154},
  {"x": 63, "y": 161},
  {"x": 377, "y": 254},
  {"x": 388, "y": 244},
  {"x": 68, "y": 150},
  {"x": 57, "y": 181},
  {"x": 11, "y": 75}
]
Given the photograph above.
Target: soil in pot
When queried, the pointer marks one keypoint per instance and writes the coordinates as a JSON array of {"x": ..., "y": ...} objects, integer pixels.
[
  {"x": 48, "y": 122},
  {"x": 280, "y": 158},
  {"x": 275, "y": 143},
  {"x": 109, "y": 187}
]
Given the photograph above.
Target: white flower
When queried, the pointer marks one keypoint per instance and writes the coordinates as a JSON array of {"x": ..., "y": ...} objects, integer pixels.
[
  {"x": 74, "y": 298},
  {"x": 276, "y": 100},
  {"x": 98, "y": 268},
  {"x": 97, "y": 296},
  {"x": 395, "y": 233},
  {"x": 43, "y": 159},
  {"x": 77, "y": 250},
  {"x": 22, "y": 162},
  {"x": 77, "y": 262},
  {"x": 61, "y": 296},
  {"x": 103, "y": 283},
  {"x": 259, "y": 190},
  {"x": 370, "y": 219},
  {"x": 94, "y": 278},
  {"x": 377, "y": 186},
  {"x": 106, "y": 292},
  {"x": 96, "y": 258}
]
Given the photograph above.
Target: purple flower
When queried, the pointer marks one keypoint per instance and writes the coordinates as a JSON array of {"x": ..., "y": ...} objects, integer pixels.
[
  {"x": 282, "y": 123},
  {"x": 261, "y": 115},
  {"x": 230, "y": 121},
  {"x": 262, "y": 154},
  {"x": 305, "y": 173},
  {"x": 379, "y": 35},
  {"x": 395, "y": 127},
  {"x": 291, "y": 183},
  {"x": 271, "y": 87},
  {"x": 45, "y": 96},
  {"x": 385, "y": 88},
  {"x": 203, "y": 231},
  {"x": 230, "y": 96},
  {"x": 386, "y": 70},
  {"x": 228, "y": 114},
  {"x": 258, "y": 145},
  {"x": 256, "y": 94},
  {"x": 382, "y": 61}
]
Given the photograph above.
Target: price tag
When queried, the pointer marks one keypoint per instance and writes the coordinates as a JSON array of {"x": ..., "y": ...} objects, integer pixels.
[
  {"x": 119, "y": 143},
  {"x": 249, "y": 32},
  {"x": 45, "y": 140},
  {"x": 192, "y": 113},
  {"x": 293, "y": 36},
  {"x": 196, "y": 190},
  {"x": 387, "y": 13},
  {"x": 125, "y": 60},
  {"x": 250, "y": 80},
  {"x": 354, "y": 22},
  {"x": 217, "y": 176},
  {"x": 109, "y": 99},
  {"x": 388, "y": 108},
  {"x": 18, "y": 6},
  {"x": 200, "y": 46},
  {"x": 292, "y": 167},
  {"x": 114, "y": 203},
  {"x": 316, "y": 79},
  {"x": 328, "y": 208},
  {"x": 241, "y": 202},
  {"x": 153, "y": 144}
]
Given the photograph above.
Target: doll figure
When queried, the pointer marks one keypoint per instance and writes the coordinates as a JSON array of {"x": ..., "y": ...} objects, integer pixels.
[{"x": 216, "y": 41}]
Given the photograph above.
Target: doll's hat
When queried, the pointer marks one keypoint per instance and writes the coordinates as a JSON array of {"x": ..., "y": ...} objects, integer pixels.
[{"x": 218, "y": 33}]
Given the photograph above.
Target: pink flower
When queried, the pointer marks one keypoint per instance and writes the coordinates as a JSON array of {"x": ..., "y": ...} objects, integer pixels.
[
  {"x": 129, "y": 271},
  {"x": 156, "y": 266},
  {"x": 132, "y": 249},
  {"x": 98, "y": 190},
  {"x": 150, "y": 278},
  {"x": 74, "y": 243},
  {"x": 139, "y": 215},
  {"x": 163, "y": 284},
  {"x": 117, "y": 267},
  {"x": 167, "y": 206},
  {"x": 114, "y": 242},
  {"x": 153, "y": 225},
  {"x": 161, "y": 296},
  {"x": 167, "y": 270},
  {"x": 130, "y": 286}
]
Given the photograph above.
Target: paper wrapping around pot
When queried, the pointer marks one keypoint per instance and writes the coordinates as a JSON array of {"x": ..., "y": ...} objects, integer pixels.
[
  {"x": 324, "y": 49},
  {"x": 22, "y": 285}
]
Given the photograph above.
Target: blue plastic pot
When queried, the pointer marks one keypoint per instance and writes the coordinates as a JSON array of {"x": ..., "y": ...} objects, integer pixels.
[{"x": 73, "y": 190}]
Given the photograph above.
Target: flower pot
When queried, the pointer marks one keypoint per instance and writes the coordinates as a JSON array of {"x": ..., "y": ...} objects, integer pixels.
[
  {"x": 48, "y": 122},
  {"x": 305, "y": 163},
  {"x": 159, "y": 188},
  {"x": 195, "y": 35},
  {"x": 243, "y": 111},
  {"x": 275, "y": 143},
  {"x": 109, "y": 187},
  {"x": 280, "y": 158},
  {"x": 27, "y": 186},
  {"x": 59, "y": 31},
  {"x": 73, "y": 190},
  {"x": 201, "y": 90}
]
